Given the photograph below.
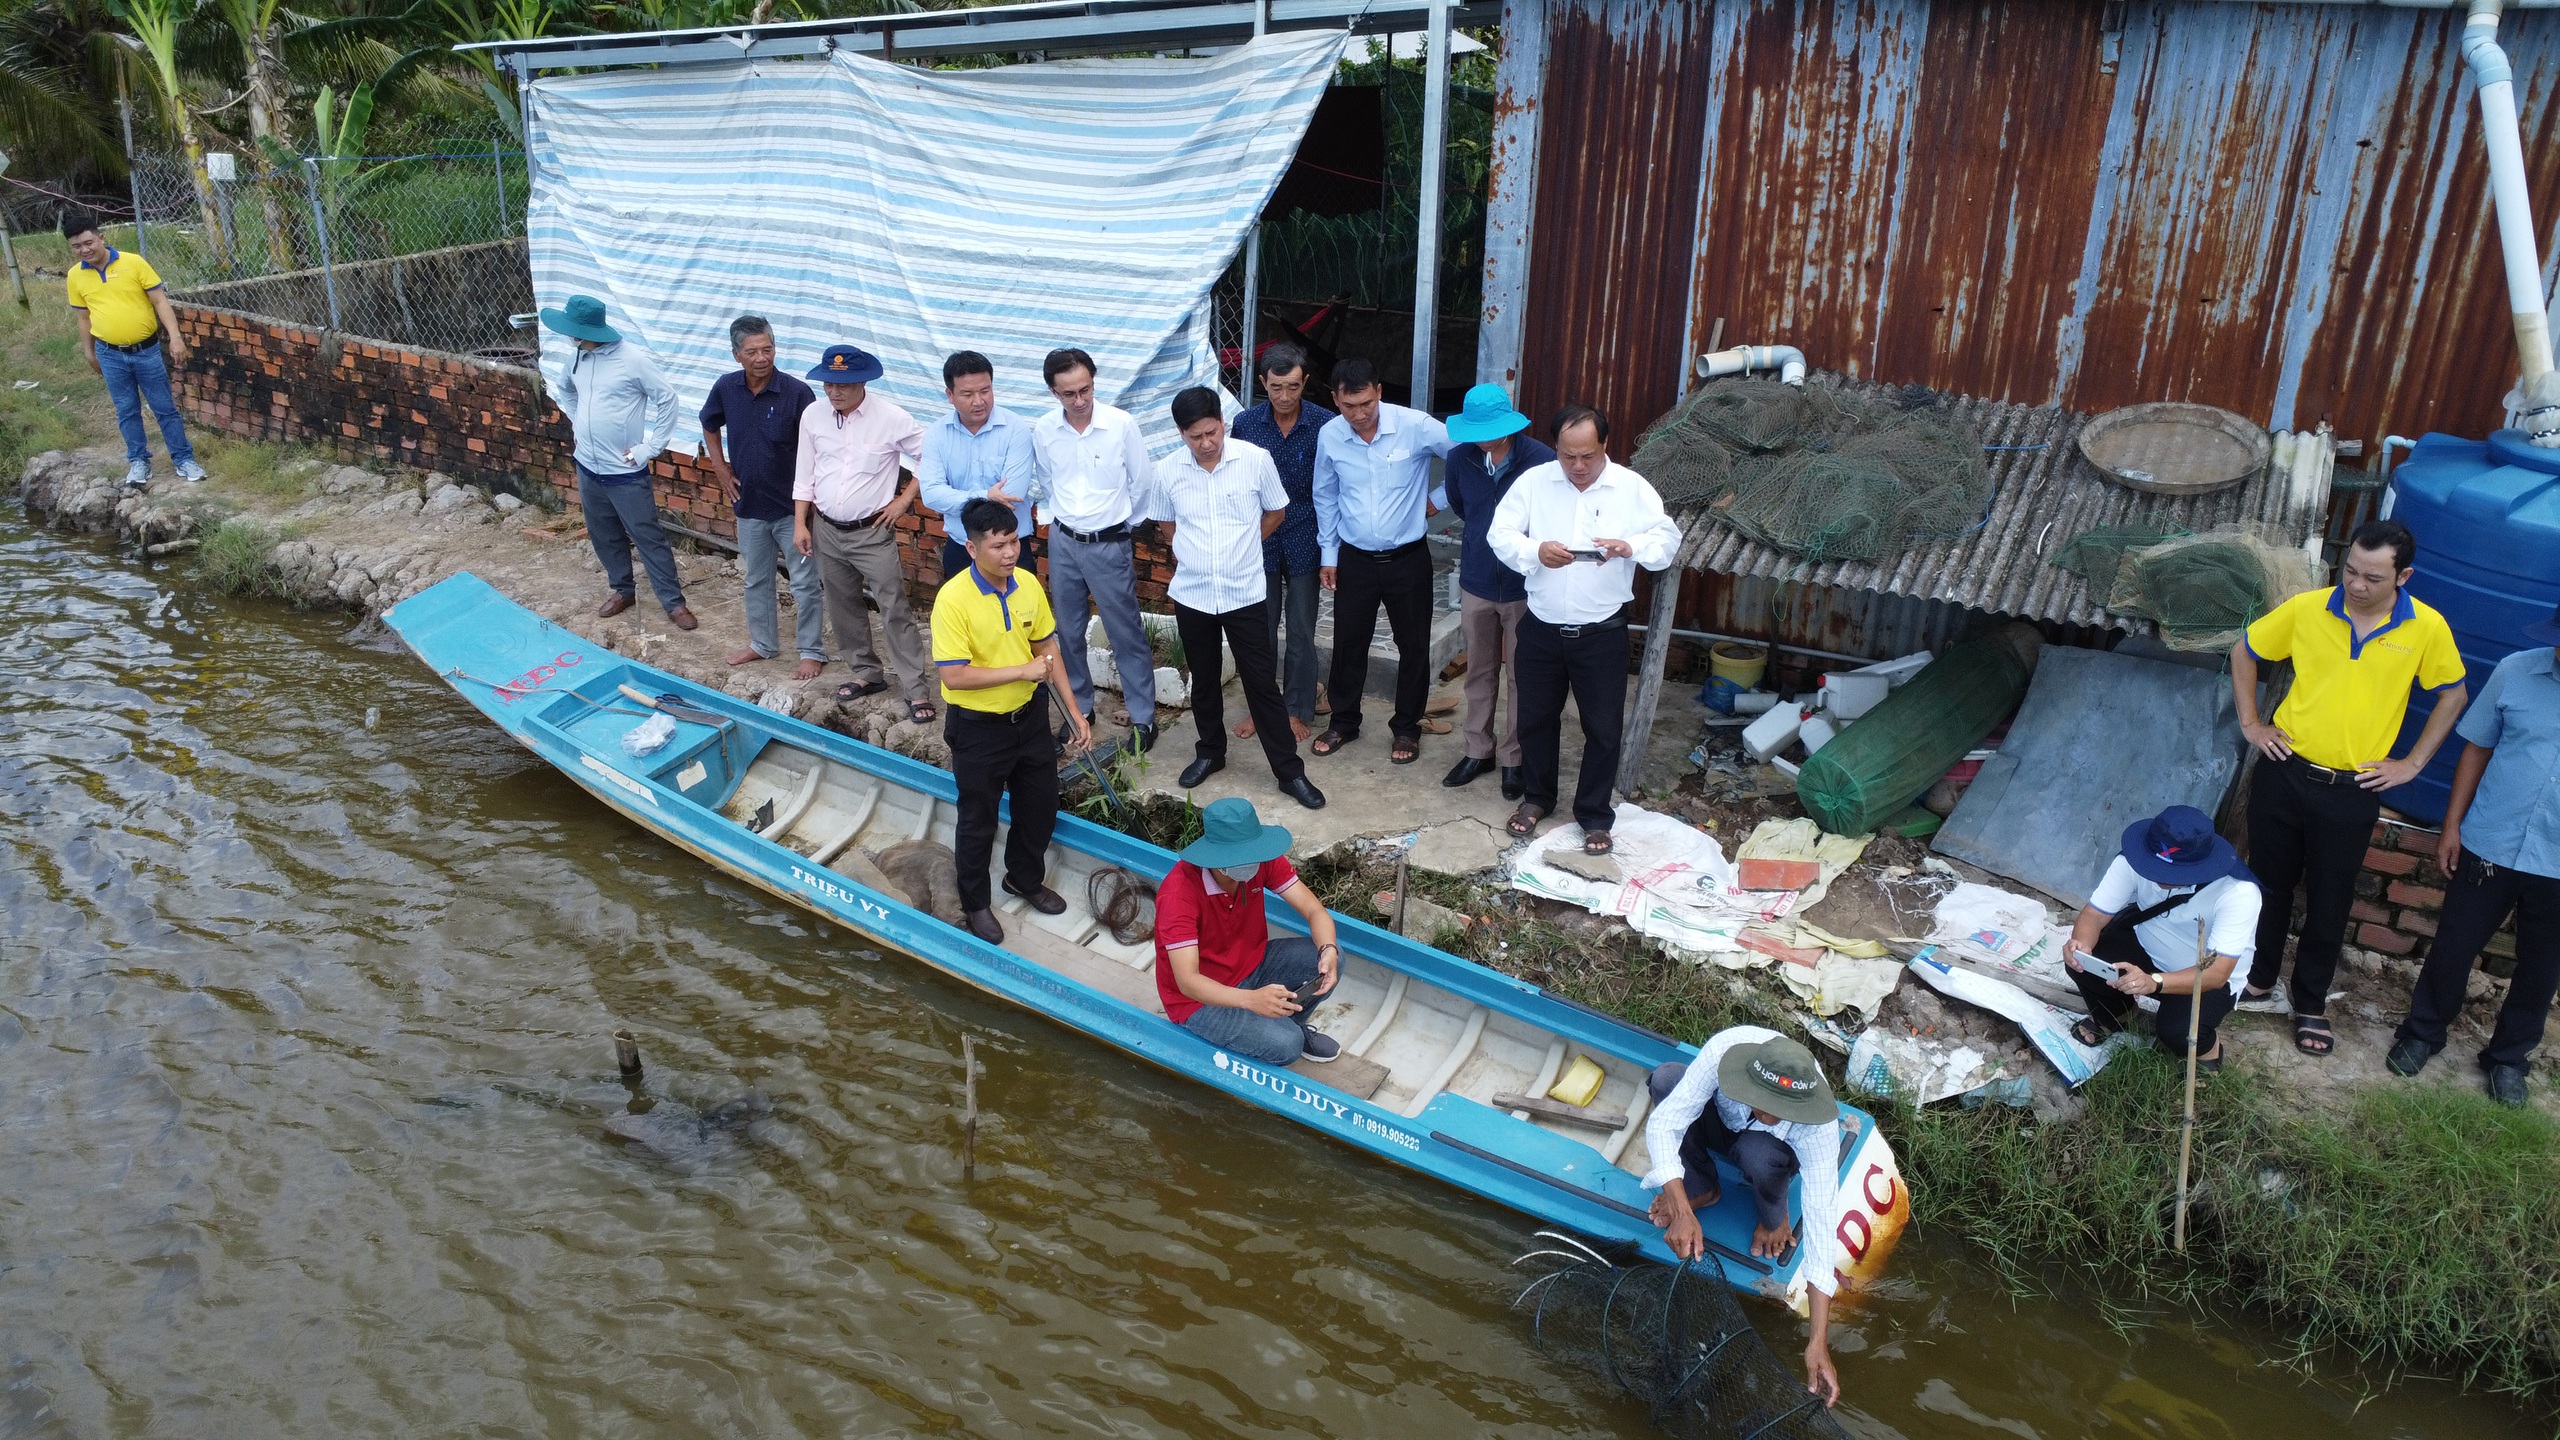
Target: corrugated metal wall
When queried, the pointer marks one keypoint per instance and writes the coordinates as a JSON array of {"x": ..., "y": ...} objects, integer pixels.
[{"x": 2280, "y": 209}]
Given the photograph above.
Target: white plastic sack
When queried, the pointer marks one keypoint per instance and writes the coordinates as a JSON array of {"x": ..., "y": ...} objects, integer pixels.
[
  {"x": 1994, "y": 926},
  {"x": 2046, "y": 1028},
  {"x": 1923, "y": 1070}
]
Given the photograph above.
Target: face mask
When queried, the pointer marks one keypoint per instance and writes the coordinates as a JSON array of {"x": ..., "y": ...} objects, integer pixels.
[{"x": 1240, "y": 874}]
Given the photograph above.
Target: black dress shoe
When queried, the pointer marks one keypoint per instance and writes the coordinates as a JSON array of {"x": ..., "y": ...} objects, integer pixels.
[
  {"x": 985, "y": 925},
  {"x": 1514, "y": 783},
  {"x": 1199, "y": 770},
  {"x": 1466, "y": 772},
  {"x": 2410, "y": 1056},
  {"x": 1304, "y": 792},
  {"x": 2506, "y": 1084},
  {"x": 1145, "y": 736},
  {"x": 1042, "y": 898}
]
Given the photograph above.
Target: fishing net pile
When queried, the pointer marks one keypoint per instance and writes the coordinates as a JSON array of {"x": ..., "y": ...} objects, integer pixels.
[
  {"x": 2202, "y": 590},
  {"x": 1678, "y": 1341},
  {"x": 1817, "y": 472}
]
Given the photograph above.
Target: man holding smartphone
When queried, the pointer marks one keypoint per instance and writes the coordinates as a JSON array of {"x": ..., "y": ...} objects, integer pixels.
[
  {"x": 2138, "y": 933},
  {"x": 1220, "y": 972}
]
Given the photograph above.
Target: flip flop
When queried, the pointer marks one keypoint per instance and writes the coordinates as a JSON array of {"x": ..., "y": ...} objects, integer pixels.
[
  {"x": 921, "y": 712},
  {"x": 2312, "y": 1035},
  {"x": 849, "y": 692}
]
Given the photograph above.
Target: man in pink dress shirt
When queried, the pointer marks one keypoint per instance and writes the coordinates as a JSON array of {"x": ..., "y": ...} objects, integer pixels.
[{"x": 848, "y": 494}]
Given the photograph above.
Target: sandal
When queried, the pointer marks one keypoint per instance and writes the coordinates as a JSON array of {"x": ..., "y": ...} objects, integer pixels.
[
  {"x": 1330, "y": 741},
  {"x": 849, "y": 692},
  {"x": 921, "y": 712},
  {"x": 1407, "y": 749},
  {"x": 2086, "y": 1032},
  {"x": 1524, "y": 821},
  {"x": 1597, "y": 842},
  {"x": 2312, "y": 1035}
]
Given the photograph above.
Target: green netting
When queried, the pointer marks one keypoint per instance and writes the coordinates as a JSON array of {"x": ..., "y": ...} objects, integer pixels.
[
  {"x": 2201, "y": 590},
  {"x": 2098, "y": 555},
  {"x": 1899, "y": 749},
  {"x": 1814, "y": 471}
]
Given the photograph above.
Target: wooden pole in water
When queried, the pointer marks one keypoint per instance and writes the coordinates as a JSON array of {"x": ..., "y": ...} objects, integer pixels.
[
  {"x": 1400, "y": 860},
  {"x": 969, "y": 1109},
  {"x": 2187, "y": 1127},
  {"x": 626, "y": 1053}
]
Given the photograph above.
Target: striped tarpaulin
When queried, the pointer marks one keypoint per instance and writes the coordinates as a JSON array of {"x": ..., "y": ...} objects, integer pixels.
[{"x": 917, "y": 212}]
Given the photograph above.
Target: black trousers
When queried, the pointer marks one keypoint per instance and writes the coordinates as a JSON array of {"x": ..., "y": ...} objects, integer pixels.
[
  {"x": 2110, "y": 1007},
  {"x": 2305, "y": 833},
  {"x": 1247, "y": 631},
  {"x": 1768, "y": 1164},
  {"x": 991, "y": 756},
  {"x": 1591, "y": 664},
  {"x": 2475, "y": 905},
  {"x": 1363, "y": 580}
]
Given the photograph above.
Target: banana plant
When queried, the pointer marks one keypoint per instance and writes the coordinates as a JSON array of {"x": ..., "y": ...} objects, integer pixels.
[{"x": 154, "y": 33}]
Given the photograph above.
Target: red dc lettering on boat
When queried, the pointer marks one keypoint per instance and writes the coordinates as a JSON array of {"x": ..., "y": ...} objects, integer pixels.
[
  {"x": 1855, "y": 1245},
  {"x": 532, "y": 680},
  {"x": 1881, "y": 1204}
]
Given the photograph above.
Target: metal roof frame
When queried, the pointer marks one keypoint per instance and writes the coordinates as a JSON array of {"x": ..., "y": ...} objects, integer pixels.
[{"x": 1050, "y": 27}]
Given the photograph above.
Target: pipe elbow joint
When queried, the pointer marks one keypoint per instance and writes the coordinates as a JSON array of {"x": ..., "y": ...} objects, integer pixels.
[
  {"x": 1787, "y": 360},
  {"x": 2487, "y": 59}
]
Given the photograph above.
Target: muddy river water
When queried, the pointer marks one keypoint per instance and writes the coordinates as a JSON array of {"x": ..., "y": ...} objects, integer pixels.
[{"x": 308, "y": 1126}]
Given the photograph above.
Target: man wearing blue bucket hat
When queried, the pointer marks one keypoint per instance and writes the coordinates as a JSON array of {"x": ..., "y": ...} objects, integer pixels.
[
  {"x": 2500, "y": 854},
  {"x": 1220, "y": 972},
  {"x": 622, "y": 413},
  {"x": 2139, "y": 933},
  {"x": 1491, "y": 595},
  {"x": 850, "y": 497}
]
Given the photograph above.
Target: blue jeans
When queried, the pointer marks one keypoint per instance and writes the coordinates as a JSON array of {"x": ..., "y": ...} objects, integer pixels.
[
  {"x": 760, "y": 544},
  {"x": 1271, "y": 1039},
  {"x": 1106, "y": 573},
  {"x": 621, "y": 512},
  {"x": 132, "y": 379}
]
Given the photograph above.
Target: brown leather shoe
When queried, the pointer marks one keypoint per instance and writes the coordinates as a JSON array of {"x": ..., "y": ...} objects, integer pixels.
[
  {"x": 984, "y": 925},
  {"x": 613, "y": 605},
  {"x": 682, "y": 617}
]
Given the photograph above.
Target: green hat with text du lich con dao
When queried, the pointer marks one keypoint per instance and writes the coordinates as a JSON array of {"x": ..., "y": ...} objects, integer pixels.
[{"x": 1778, "y": 1076}]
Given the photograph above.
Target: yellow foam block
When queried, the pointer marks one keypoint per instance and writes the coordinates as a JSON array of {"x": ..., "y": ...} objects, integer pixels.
[{"x": 1581, "y": 1082}]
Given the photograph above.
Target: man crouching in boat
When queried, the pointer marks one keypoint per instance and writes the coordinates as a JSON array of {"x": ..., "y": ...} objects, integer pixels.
[
  {"x": 1758, "y": 1101},
  {"x": 1221, "y": 973}
]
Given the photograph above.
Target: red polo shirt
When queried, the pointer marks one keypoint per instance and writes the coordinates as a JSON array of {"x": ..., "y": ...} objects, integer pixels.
[{"x": 1228, "y": 927}]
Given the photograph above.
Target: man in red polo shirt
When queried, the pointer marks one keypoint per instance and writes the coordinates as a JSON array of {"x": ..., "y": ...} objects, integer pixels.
[{"x": 1219, "y": 970}]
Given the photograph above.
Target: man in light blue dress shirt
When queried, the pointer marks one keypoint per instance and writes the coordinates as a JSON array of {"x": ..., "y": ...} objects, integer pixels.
[
  {"x": 980, "y": 451},
  {"x": 2500, "y": 853},
  {"x": 1373, "y": 493}
]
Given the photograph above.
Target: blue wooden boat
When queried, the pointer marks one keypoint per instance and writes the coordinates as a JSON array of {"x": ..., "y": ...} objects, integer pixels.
[{"x": 1430, "y": 1039}]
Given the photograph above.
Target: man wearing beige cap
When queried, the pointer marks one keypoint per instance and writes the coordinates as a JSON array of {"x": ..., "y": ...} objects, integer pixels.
[{"x": 1755, "y": 1100}]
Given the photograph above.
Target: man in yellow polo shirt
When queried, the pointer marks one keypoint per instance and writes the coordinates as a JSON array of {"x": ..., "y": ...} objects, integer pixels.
[
  {"x": 994, "y": 644},
  {"x": 2356, "y": 650},
  {"x": 130, "y": 336}
]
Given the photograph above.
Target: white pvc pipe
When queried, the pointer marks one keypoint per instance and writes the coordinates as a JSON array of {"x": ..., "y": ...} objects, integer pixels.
[
  {"x": 2499, "y": 131},
  {"x": 1787, "y": 360}
]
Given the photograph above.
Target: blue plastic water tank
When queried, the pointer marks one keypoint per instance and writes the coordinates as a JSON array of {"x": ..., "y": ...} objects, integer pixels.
[{"x": 2487, "y": 518}]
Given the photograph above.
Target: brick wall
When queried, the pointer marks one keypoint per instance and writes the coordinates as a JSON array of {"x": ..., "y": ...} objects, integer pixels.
[{"x": 2400, "y": 894}]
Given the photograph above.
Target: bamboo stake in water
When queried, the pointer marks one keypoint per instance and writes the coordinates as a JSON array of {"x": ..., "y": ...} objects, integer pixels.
[
  {"x": 2187, "y": 1127},
  {"x": 1400, "y": 859},
  {"x": 969, "y": 1109}
]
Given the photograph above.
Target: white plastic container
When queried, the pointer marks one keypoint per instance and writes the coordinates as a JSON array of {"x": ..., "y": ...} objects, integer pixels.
[
  {"x": 1848, "y": 695},
  {"x": 1896, "y": 670},
  {"x": 1755, "y": 702},
  {"x": 1816, "y": 732},
  {"x": 1772, "y": 732}
]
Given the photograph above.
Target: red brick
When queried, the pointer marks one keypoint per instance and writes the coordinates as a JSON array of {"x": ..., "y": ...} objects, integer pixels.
[
  {"x": 2422, "y": 896},
  {"x": 2367, "y": 910},
  {"x": 2390, "y": 862},
  {"x": 2389, "y": 942},
  {"x": 2418, "y": 922}
]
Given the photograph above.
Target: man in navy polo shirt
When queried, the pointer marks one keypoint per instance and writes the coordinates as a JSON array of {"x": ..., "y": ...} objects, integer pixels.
[
  {"x": 1491, "y": 595},
  {"x": 751, "y": 434},
  {"x": 1285, "y": 426}
]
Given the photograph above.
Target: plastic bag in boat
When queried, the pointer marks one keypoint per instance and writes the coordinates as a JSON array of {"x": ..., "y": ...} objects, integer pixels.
[{"x": 649, "y": 736}]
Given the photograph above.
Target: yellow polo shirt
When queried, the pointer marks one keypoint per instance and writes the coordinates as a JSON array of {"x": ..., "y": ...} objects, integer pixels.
[
  {"x": 2349, "y": 696},
  {"x": 118, "y": 298},
  {"x": 975, "y": 624}
]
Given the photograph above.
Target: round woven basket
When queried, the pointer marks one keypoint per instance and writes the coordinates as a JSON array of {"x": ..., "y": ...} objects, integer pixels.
[{"x": 2172, "y": 448}]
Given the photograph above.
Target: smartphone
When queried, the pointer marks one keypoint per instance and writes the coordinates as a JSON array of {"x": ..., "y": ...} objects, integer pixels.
[
  {"x": 1306, "y": 995},
  {"x": 1591, "y": 555},
  {"x": 2090, "y": 964}
]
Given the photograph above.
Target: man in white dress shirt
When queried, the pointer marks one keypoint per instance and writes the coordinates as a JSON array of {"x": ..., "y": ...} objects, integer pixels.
[
  {"x": 847, "y": 491},
  {"x": 1217, "y": 498},
  {"x": 1757, "y": 1101},
  {"x": 1576, "y": 528},
  {"x": 1094, "y": 474}
]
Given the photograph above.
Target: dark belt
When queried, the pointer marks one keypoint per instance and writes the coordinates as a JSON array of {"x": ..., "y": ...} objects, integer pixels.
[
  {"x": 137, "y": 347},
  {"x": 1107, "y": 535},
  {"x": 1381, "y": 557},
  {"x": 1009, "y": 717},
  {"x": 2321, "y": 774},
  {"x": 865, "y": 523},
  {"x": 1587, "y": 627}
]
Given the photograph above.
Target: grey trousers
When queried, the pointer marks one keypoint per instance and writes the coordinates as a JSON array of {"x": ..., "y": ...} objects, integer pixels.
[
  {"x": 1295, "y": 597},
  {"x": 1106, "y": 574},
  {"x": 1492, "y": 630},
  {"x": 761, "y": 545},
  {"x": 622, "y": 515},
  {"x": 852, "y": 563}
]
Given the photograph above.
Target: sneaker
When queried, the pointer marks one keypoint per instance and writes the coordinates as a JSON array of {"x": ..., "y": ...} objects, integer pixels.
[
  {"x": 1320, "y": 1047},
  {"x": 137, "y": 474},
  {"x": 192, "y": 473}
]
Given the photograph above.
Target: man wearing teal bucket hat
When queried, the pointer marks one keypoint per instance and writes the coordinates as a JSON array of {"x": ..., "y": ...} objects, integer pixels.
[
  {"x": 622, "y": 412},
  {"x": 1491, "y": 595},
  {"x": 1220, "y": 972}
]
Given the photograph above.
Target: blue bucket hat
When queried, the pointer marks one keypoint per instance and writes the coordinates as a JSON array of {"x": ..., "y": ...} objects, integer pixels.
[
  {"x": 582, "y": 319},
  {"x": 2545, "y": 632},
  {"x": 1232, "y": 833},
  {"x": 1488, "y": 416},
  {"x": 845, "y": 365},
  {"x": 2178, "y": 846}
]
